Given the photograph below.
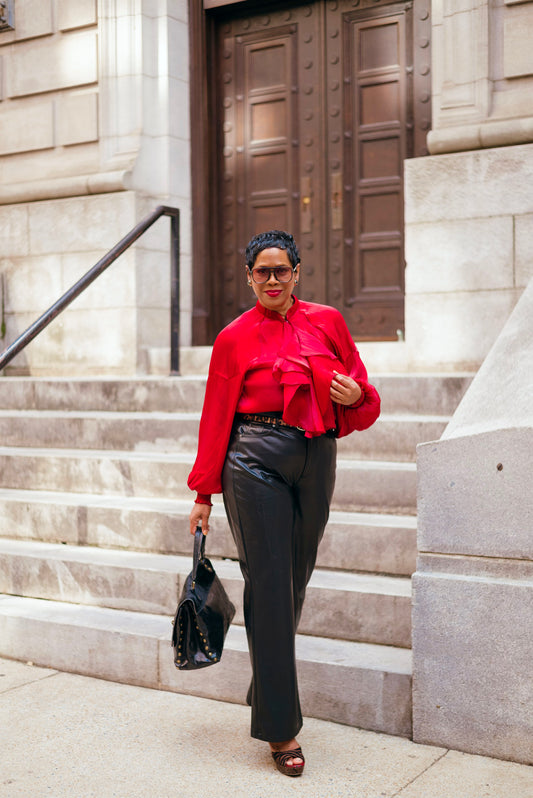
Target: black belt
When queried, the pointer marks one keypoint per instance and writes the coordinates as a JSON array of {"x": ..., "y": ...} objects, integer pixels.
[{"x": 270, "y": 420}]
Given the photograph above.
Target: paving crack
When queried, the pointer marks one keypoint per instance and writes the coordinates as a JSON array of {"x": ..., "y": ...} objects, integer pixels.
[
  {"x": 30, "y": 682},
  {"x": 405, "y": 786}
]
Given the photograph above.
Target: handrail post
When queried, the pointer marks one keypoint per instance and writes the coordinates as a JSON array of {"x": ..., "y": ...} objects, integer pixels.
[{"x": 175, "y": 294}]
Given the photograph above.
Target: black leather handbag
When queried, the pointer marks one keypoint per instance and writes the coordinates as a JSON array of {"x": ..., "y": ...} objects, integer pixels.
[{"x": 203, "y": 616}]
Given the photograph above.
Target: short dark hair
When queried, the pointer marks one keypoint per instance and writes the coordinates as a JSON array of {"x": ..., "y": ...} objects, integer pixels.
[{"x": 272, "y": 238}]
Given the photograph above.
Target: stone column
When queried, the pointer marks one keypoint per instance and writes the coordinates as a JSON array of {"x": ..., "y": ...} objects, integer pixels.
[
  {"x": 473, "y": 588},
  {"x": 144, "y": 54}
]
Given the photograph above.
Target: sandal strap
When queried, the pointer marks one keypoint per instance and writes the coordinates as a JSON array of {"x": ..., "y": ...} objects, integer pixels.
[{"x": 282, "y": 757}]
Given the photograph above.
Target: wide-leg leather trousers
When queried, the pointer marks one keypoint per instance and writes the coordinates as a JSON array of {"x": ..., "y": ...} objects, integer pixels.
[{"x": 277, "y": 488}]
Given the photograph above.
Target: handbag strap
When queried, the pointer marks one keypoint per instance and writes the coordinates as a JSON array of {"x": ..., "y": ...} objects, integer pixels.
[{"x": 199, "y": 551}]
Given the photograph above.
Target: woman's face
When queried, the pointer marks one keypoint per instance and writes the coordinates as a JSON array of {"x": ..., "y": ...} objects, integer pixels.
[{"x": 274, "y": 294}]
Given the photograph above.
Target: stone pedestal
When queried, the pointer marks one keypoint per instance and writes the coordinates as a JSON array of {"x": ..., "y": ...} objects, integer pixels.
[{"x": 473, "y": 588}]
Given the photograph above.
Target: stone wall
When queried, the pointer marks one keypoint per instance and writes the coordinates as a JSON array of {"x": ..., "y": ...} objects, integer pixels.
[
  {"x": 469, "y": 252},
  {"x": 469, "y": 206},
  {"x": 473, "y": 588},
  {"x": 94, "y": 134},
  {"x": 49, "y": 95}
]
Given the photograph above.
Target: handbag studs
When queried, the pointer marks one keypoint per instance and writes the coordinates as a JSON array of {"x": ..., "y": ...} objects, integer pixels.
[
  {"x": 203, "y": 615},
  {"x": 210, "y": 654}
]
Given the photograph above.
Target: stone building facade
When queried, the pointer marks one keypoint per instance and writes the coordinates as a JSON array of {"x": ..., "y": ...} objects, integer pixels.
[{"x": 95, "y": 131}]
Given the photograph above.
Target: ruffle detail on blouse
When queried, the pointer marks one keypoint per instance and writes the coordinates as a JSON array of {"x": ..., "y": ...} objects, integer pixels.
[{"x": 304, "y": 368}]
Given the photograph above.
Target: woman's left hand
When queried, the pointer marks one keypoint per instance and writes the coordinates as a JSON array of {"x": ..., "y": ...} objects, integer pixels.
[{"x": 344, "y": 390}]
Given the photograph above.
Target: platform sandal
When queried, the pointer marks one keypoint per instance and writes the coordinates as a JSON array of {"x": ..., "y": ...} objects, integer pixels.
[{"x": 282, "y": 757}]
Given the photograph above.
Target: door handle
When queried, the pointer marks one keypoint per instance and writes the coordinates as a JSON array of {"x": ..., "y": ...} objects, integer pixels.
[
  {"x": 336, "y": 201},
  {"x": 306, "y": 210}
]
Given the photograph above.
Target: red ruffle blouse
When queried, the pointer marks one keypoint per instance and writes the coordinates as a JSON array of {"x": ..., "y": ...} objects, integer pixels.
[{"x": 301, "y": 351}]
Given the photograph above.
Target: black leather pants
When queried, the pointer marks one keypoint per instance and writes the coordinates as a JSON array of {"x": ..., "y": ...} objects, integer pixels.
[{"x": 277, "y": 487}]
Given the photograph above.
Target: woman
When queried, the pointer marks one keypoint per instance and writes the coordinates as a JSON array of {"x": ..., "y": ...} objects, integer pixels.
[{"x": 285, "y": 380}]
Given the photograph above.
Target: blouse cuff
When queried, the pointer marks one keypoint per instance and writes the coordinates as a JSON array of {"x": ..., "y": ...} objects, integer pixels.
[
  {"x": 203, "y": 498},
  {"x": 361, "y": 399}
]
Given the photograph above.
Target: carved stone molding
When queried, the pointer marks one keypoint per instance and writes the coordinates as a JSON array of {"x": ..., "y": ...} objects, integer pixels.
[
  {"x": 61, "y": 187},
  {"x": 120, "y": 81},
  {"x": 497, "y": 133},
  {"x": 7, "y": 15},
  {"x": 462, "y": 86}
]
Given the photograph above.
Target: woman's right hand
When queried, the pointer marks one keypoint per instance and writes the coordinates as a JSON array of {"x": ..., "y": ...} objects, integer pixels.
[{"x": 200, "y": 513}]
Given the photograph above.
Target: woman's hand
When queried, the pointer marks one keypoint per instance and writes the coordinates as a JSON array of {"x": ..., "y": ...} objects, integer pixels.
[
  {"x": 344, "y": 390},
  {"x": 200, "y": 513}
]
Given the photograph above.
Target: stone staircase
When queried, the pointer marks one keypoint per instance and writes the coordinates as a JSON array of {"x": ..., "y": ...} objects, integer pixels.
[{"x": 94, "y": 542}]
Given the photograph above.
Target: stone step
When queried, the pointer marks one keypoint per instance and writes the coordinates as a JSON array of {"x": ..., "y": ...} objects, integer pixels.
[
  {"x": 347, "y": 606},
  {"x": 165, "y": 432},
  {"x": 368, "y": 486},
  {"x": 121, "y": 395},
  {"x": 363, "y": 542},
  {"x": 393, "y": 437},
  {"x": 435, "y": 394},
  {"x": 357, "y": 684}
]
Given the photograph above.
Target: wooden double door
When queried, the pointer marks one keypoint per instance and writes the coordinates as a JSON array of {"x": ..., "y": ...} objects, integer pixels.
[{"x": 315, "y": 106}]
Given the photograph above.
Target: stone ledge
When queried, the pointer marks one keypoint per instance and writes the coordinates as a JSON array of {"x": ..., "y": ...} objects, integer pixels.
[
  {"x": 471, "y": 567},
  {"x": 495, "y": 133},
  {"x": 60, "y": 187}
]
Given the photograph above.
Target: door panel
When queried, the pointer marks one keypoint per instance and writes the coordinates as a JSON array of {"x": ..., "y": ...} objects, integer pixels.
[
  {"x": 376, "y": 96},
  {"x": 318, "y": 113},
  {"x": 259, "y": 59},
  {"x": 264, "y": 158}
]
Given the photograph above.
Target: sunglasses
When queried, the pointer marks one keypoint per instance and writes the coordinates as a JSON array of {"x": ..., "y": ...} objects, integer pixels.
[{"x": 283, "y": 274}]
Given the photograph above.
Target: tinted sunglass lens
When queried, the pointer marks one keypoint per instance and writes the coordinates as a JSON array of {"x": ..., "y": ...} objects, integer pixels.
[{"x": 282, "y": 274}]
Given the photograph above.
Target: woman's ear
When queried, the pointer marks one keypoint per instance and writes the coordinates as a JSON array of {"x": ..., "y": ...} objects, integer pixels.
[{"x": 248, "y": 275}]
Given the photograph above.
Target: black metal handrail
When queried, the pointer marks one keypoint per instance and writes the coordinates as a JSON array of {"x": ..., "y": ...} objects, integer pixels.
[{"x": 43, "y": 321}]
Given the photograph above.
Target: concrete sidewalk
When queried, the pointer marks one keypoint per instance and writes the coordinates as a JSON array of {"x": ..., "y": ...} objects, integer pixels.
[{"x": 68, "y": 736}]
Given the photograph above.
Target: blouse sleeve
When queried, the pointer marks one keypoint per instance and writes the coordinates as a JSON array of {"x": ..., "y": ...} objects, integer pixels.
[
  {"x": 222, "y": 392},
  {"x": 362, "y": 414}
]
